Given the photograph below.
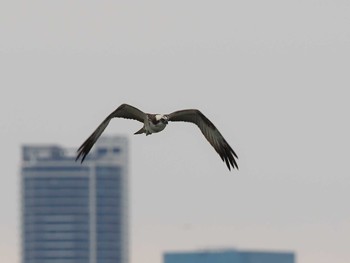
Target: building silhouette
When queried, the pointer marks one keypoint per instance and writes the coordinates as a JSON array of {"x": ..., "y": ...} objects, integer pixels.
[
  {"x": 73, "y": 212},
  {"x": 229, "y": 256}
]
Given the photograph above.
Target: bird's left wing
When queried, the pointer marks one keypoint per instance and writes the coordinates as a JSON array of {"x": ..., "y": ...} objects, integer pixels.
[
  {"x": 210, "y": 132},
  {"x": 123, "y": 111}
]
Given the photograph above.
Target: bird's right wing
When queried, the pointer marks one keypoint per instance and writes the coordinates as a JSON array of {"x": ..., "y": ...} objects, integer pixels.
[{"x": 123, "y": 111}]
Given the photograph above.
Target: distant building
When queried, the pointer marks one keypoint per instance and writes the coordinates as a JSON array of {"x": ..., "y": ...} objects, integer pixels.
[
  {"x": 73, "y": 212},
  {"x": 229, "y": 256}
]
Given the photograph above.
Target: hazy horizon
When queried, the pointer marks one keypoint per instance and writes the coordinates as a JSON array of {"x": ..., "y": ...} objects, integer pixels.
[{"x": 272, "y": 76}]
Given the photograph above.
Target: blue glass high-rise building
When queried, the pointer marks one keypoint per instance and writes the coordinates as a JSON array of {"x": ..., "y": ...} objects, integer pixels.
[
  {"x": 229, "y": 256},
  {"x": 72, "y": 212}
]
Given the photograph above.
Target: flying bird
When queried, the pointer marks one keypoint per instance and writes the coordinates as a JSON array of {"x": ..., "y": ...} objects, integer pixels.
[{"x": 153, "y": 123}]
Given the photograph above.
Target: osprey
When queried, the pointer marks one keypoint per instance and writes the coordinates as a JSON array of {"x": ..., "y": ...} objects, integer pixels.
[{"x": 153, "y": 123}]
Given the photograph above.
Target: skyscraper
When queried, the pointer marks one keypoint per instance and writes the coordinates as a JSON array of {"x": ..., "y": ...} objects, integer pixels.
[
  {"x": 72, "y": 212},
  {"x": 229, "y": 256}
]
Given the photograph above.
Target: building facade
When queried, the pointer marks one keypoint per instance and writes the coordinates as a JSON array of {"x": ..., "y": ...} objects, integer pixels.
[
  {"x": 73, "y": 212},
  {"x": 229, "y": 256}
]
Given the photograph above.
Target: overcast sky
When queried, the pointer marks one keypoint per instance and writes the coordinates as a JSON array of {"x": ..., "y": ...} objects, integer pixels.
[{"x": 272, "y": 75}]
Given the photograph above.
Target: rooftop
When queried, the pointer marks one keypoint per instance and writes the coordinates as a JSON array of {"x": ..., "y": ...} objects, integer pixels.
[{"x": 104, "y": 147}]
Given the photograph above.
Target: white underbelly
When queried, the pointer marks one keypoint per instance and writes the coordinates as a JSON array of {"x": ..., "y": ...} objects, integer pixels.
[{"x": 156, "y": 128}]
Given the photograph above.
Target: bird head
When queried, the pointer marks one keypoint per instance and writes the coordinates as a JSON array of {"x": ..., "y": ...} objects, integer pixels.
[{"x": 162, "y": 118}]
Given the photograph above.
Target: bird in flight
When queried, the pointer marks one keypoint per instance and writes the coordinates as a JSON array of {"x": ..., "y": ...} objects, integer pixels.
[{"x": 153, "y": 123}]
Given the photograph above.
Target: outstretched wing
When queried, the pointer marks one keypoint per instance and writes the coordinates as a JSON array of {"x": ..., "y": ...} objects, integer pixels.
[
  {"x": 210, "y": 132},
  {"x": 123, "y": 111}
]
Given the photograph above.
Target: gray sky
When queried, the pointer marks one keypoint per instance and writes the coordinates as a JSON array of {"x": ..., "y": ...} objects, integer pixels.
[{"x": 273, "y": 76}]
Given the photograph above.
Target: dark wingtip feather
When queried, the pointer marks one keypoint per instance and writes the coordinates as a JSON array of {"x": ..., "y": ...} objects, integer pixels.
[
  {"x": 85, "y": 148},
  {"x": 228, "y": 156},
  {"x": 82, "y": 152}
]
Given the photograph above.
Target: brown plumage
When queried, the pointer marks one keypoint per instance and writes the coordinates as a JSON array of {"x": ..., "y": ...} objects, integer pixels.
[
  {"x": 210, "y": 132},
  {"x": 154, "y": 123}
]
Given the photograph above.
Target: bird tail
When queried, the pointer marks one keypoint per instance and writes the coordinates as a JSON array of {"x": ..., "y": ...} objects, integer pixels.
[{"x": 140, "y": 131}]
